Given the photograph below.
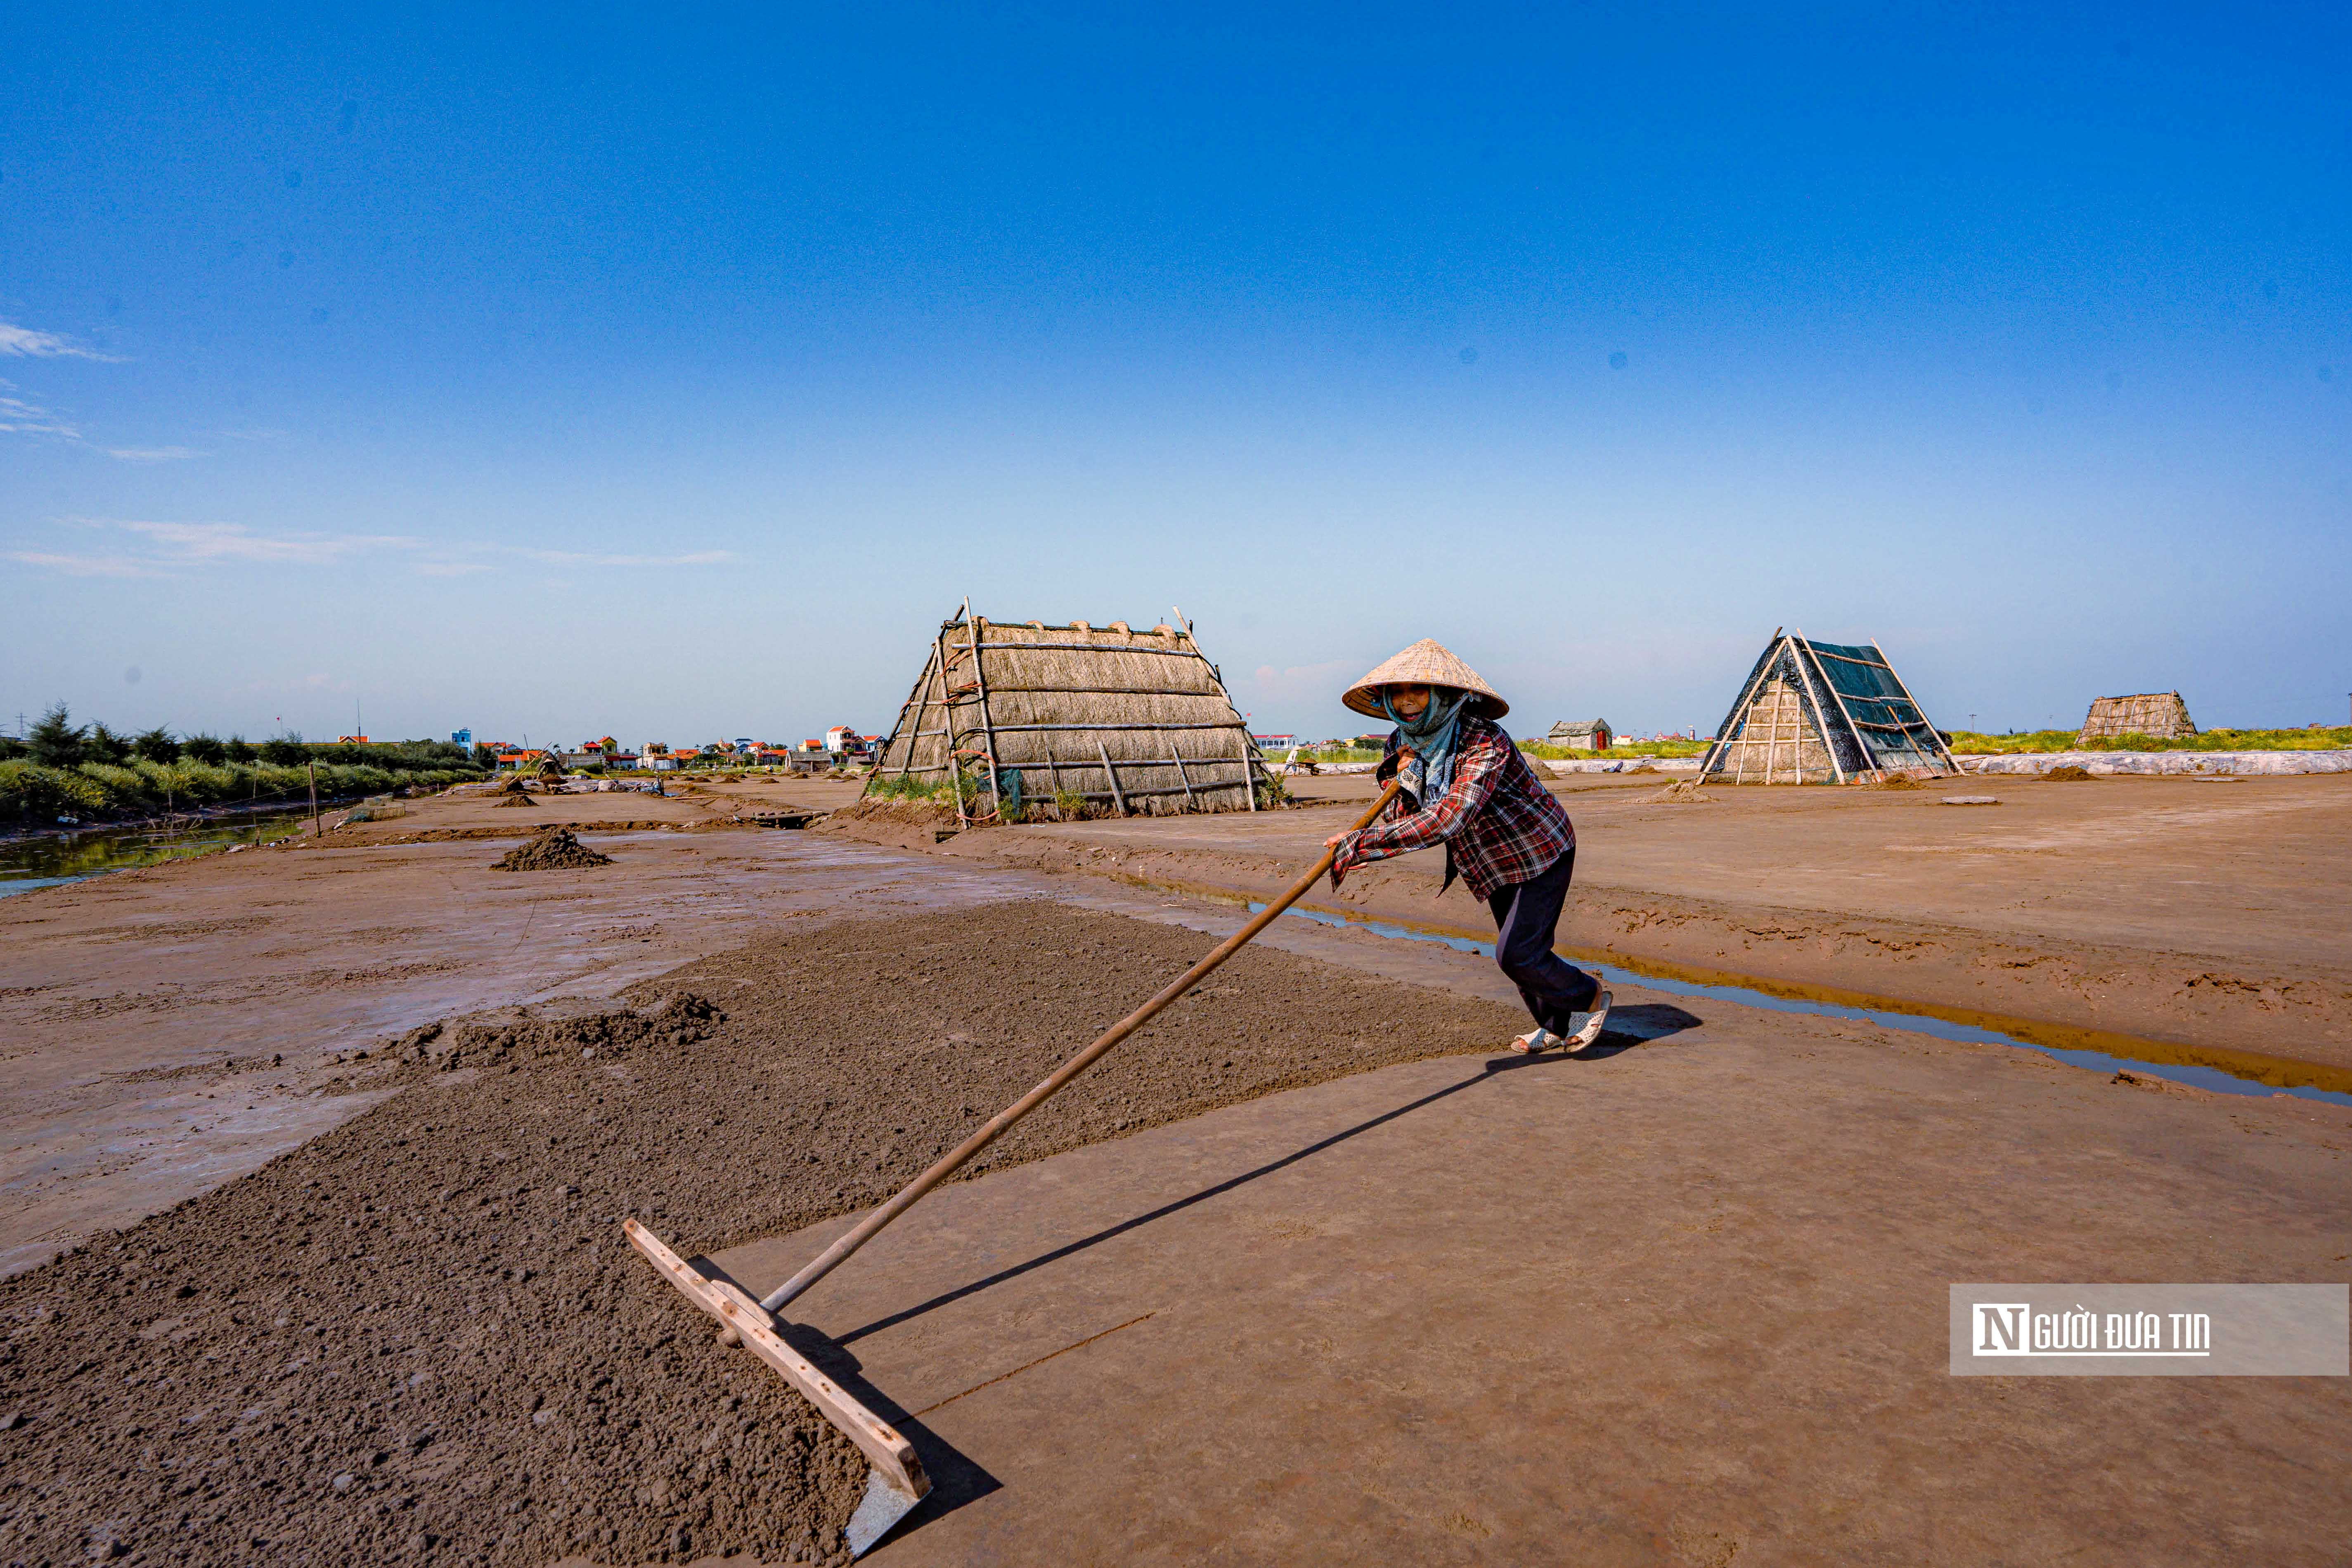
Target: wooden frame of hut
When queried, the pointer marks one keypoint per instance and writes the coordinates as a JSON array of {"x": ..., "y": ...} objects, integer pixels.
[
  {"x": 2158, "y": 715},
  {"x": 1139, "y": 720},
  {"x": 1817, "y": 712}
]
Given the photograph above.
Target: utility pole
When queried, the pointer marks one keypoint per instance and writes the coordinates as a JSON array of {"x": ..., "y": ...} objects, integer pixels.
[{"x": 313, "y": 767}]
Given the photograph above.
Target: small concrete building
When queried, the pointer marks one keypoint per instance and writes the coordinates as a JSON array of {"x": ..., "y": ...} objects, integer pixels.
[{"x": 1584, "y": 735}]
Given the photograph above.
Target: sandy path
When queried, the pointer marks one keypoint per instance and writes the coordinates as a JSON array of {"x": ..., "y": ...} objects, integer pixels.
[{"x": 1681, "y": 1305}]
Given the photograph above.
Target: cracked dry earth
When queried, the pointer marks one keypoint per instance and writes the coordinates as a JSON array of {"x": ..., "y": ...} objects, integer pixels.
[{"x": 420, "y": 1337}]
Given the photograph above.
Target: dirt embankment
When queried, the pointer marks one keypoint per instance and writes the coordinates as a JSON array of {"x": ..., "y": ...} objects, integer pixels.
[
  {"x": 2301, "y": 1012},
  {"x": 421, "y": 1338}
]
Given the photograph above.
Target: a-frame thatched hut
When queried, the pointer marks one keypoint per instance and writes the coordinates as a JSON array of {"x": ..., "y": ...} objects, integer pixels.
[
  {"x": 1135, "y": 720},
  {"x": 2160, "y": 715},
  {"x": 1817, "y": 712}
]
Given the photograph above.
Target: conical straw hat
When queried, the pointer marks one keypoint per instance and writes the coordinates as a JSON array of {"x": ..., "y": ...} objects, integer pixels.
[{"x": 1426, "y": 663}]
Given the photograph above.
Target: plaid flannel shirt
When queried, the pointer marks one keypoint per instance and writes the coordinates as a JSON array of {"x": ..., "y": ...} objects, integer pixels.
[{"x": 1498, "y": 823}]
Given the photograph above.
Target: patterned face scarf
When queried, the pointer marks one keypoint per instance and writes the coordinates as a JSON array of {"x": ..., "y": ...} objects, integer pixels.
[{"x": 1434, "y": 737}]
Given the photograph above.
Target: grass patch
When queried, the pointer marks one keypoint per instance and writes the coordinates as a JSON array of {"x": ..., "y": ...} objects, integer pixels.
[
  {"x": 1625, "y": 753},
  {"x": 1968, "y": 743}
]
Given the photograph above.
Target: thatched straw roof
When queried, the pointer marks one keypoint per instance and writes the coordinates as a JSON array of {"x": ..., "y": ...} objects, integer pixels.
[
  {"x": 2160, "y": 714},
  {"x": 1138, "y": 721}
]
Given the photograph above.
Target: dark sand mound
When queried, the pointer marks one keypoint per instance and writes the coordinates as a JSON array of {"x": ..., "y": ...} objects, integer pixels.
[
  {"x": 514, "y": 797},
  {"x": 901, "y": 824},
  {"x": 421, "y": 1337},
  {"x": 2069, "y": 774},
  {"x": 912, "y": 813},
  {"x": 553, "y": 850}
]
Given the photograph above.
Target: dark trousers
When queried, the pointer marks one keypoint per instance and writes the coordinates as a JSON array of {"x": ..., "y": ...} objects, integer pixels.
[{"x": 1526, "y": 915}]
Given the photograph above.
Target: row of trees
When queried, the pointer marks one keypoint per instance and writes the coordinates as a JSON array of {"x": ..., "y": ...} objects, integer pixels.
[
  {"x": 56, "y": 742},
  {"x": 34, "y": 795}
]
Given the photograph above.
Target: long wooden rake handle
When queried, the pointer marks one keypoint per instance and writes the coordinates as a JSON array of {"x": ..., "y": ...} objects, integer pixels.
[{"x": 871, "y": 1225}]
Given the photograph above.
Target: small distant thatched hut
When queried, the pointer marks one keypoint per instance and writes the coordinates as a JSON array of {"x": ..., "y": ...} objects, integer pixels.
[
  {"x": 2160, "y": 715},
  {"x": 1820, "y": 712},
  {"x": 1136, "y": 720}
]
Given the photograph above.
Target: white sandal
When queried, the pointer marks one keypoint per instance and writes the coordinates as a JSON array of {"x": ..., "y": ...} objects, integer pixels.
[
  {"x": 1534, "y": 1040},
  {"x": 1589, "y": 1029}
]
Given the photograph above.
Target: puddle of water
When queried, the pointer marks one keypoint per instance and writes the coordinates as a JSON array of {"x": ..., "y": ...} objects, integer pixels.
[
  {"x": 56, "y": 858},
  {"x": 2199, "y": 1075}
]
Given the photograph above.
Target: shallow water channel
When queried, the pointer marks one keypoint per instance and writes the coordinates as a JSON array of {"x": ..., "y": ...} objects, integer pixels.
[
  {"x": 69, "y": 857},
  {"x": 2194, "y": 1074}
]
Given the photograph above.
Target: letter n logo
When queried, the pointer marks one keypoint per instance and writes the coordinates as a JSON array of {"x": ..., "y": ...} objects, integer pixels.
[{"x": 2000, "y": 1328}]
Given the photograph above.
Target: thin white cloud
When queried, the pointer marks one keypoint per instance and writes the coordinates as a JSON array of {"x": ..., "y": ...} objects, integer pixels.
[
  {"x": 24, "y": 343},
  {"x": 83, "y": 565},
  {"x": 165, "y": 548},
  {"x": 18, "y": 417},
  {"x": 571, "y": 558},
  {"x": 197, "y": 543},
  {"x": 153, "y": 454}
]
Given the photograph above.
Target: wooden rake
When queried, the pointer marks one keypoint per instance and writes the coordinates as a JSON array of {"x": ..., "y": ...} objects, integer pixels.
[{"x": 897, "y": 1481}]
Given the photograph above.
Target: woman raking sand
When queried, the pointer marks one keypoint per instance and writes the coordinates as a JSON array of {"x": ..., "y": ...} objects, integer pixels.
[{"x": 1466, "y": 787}]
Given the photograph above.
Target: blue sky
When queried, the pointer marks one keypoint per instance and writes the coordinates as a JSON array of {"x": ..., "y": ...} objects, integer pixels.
[{"x": 581, "y": 371}]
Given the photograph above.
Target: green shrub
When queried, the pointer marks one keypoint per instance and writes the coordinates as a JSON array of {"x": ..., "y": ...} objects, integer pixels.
[
  {"x": 908, "y": 787},
  {"x": 157, "y": 745},
  {"x": 204, "y": 783},
  {"x": 125, "y": 789},
  {"x": 207, "y": 748},
  {"x": 30, "y": 793}
]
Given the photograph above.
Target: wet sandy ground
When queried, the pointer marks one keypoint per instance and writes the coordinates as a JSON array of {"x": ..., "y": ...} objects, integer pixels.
[
  {"x": 164, "y": 1029},
  {"x": 109, "y": 988},
  {"x": 2213, "y": 914},
  {"x": 420, "y": 1336}
]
